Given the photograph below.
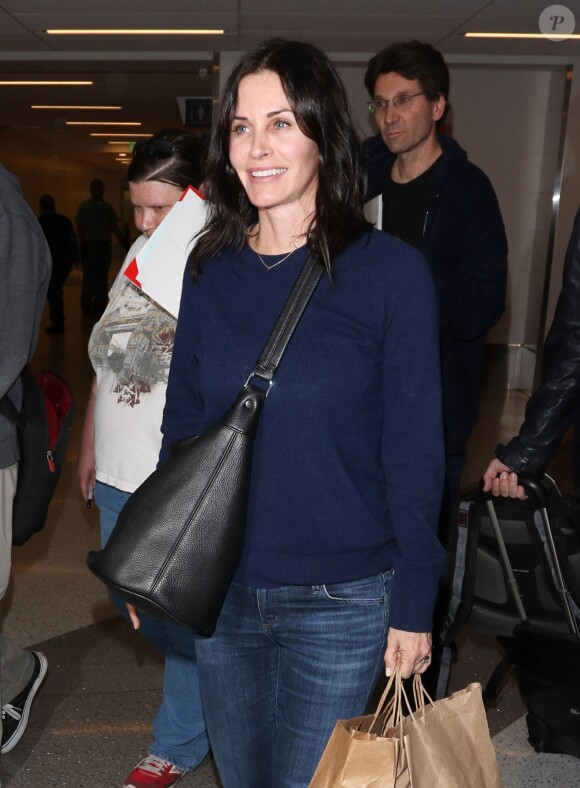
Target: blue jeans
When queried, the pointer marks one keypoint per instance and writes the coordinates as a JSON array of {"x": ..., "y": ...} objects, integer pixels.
[
  {"x": 283, "y": 665},
  {"x": 179, "y": 732}
]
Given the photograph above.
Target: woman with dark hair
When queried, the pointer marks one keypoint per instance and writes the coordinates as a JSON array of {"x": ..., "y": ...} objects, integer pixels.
[
  {"x": 341, "y": 562},
  {"x": 130, "y": 349}
]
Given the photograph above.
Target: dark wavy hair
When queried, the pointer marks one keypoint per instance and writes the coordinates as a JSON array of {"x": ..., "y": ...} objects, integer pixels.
[
  {"x": 319, "y": 103},
  {"x": 171, "y": 156},
  {"x": 412, "y": 60}
]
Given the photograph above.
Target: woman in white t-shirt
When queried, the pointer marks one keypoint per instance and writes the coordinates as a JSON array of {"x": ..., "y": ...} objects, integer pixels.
[{"x": 130, "y": 349}]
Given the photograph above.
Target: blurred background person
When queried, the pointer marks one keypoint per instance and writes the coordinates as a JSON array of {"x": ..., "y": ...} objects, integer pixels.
[
  {"x": 130, "y": 349},
  {"x": 96, "y": 220},
  {"x": 64, "y": 250},
  {"x": 25, "y": 274}
]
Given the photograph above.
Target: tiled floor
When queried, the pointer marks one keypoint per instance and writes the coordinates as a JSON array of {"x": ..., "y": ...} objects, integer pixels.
[{"x": 91, "y": 721}]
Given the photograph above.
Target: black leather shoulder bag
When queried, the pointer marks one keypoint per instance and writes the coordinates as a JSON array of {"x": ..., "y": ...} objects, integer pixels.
[{"x": 179, "y": 538}]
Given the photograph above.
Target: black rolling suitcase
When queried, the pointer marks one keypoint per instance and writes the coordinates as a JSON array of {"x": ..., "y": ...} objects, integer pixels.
[
  {"x": 515, "y": 573},
  {"x": 546, "y": 666}
]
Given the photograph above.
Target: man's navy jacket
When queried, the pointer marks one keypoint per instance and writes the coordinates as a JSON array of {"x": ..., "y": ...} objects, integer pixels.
[{"x": 465, "y": 245}]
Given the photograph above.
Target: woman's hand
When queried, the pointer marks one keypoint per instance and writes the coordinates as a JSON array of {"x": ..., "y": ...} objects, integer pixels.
[
  {"x": 501, "y": 480},
  {"x": 86, "y": 473},
  {"x": 133, "y": 615},
  {"x": 412, "y": 648},
  {"x": 86, "y": 470}
]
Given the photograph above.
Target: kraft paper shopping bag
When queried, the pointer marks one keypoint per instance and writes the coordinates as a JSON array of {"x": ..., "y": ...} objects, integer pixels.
[
  {"x": 447, "y": 742},
  {"x": 367, "y": 752}
]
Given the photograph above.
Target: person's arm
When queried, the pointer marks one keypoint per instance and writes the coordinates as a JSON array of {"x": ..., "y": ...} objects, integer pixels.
[
  {"x": 79, "y": 224},
  {"x": 413, "y": 461},
  {"x": 552, "y": 408},
  {"x": 114, "y": 224},
  {"x": 118, "y": 234},
  {"x": 25, "y": 274},
  {"x": 73, "y": 243},
  {"x": 472, "y": 285},
  {"x": 86, "y": 473},
  {"x": 182, "y": 402}
]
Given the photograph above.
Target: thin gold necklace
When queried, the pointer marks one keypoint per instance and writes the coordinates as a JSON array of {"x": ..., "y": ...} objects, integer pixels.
[{"x": 278, "y": 262}]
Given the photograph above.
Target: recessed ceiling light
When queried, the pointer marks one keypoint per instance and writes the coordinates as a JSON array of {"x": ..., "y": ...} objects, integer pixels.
[
  {"x": 134, "y": 32},
  {"x": 117, "y": 134},
  {"x": 43, "y": 82},
  {"x": 102, "y": 123},
  {"x": 69, "y": 106},
  {"x": 552, "y": 36}
]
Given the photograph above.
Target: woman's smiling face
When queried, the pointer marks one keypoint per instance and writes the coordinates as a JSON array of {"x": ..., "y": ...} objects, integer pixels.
[{"x": 276, "y": 162}]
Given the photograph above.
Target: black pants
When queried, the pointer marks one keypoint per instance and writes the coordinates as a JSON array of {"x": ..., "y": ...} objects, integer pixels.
[{"x": 96, "y": 260}]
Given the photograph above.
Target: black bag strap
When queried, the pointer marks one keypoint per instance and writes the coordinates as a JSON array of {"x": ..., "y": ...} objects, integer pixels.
[
  {"x": 291, "y": 313},
  {"x": 8, "y": 410}
]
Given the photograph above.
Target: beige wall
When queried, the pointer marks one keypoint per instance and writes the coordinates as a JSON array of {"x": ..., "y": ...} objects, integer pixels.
[
  {"x": 509, "y": 120},
  {"x": 570, "y": 189},
  {"x": 65, "y": 178}
]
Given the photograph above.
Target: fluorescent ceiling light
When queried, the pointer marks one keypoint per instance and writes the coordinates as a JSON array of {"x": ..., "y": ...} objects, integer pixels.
[
  {"x": 42, "y": 82},
  {"x": 551, "y": 36},
  {"x": 117, "y": 134},
  {"x": 68, "y": 106},
  {"x": 134, "y": 32},
  {"x": 102, "y": 123},
  {"x": 119, "y": 142}
]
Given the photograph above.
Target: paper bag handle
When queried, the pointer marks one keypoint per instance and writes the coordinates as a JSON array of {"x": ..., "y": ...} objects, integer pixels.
[{"x": 420, "y": 693}]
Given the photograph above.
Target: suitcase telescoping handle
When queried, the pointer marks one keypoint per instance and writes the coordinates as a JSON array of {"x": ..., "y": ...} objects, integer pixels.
[
  {"x": 536, "y": 492},
  {"x": 538, "y": 497},
  {"x": 511, "y": 581}
]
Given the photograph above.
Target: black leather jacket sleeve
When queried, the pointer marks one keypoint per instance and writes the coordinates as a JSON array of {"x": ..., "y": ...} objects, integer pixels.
[{"x": 553, "y": 406}]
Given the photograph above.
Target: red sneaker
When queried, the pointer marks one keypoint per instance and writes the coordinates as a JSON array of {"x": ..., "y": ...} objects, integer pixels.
[{"x": 154, "y": 772}]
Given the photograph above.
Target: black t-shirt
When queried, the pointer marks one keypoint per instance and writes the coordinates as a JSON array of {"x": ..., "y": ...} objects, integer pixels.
[{"x": 405, "y": 205}]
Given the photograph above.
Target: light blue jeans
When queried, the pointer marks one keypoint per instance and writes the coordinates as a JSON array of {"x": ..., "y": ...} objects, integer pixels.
[
  {"x": 283, "y": 665},
  {"x": 179, "y": 732}
]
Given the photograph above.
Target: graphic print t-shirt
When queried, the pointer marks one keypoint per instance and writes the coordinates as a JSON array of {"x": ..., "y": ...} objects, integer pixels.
[{"x": 130, "y": 349}]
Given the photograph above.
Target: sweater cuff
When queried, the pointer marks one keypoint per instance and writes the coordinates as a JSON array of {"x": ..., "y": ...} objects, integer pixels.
[{"x": 413, "y": 601}]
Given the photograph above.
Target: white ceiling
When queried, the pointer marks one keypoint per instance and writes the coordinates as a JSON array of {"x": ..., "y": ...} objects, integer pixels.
[{"x": 145, "y": 74}]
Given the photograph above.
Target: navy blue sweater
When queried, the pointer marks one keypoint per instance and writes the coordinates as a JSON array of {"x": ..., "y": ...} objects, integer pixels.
[
  {"x": 348, "y": 461},
  {"x": 465, "y": 245}
]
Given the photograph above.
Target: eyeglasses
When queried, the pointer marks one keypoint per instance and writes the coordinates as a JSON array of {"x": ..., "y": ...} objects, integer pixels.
[
  {"x": 403, "y": 103},
  {"x": 157, "y": 149}
]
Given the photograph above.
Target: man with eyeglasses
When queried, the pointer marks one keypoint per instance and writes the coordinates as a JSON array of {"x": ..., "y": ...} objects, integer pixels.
[
  {"x": 433, "y": 198},
  {"x": 436, "y": 200}
]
